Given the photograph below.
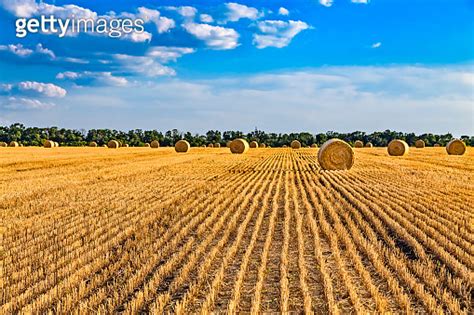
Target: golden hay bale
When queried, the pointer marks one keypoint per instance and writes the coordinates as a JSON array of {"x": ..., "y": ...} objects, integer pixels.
[
  {"x": 104, "y": 146},
  {"x": 314, "y": 145},
  {"x": 295, "y": 144},
  {"x": 228, "y": 144},
  {"x": 210, "y": 145},
  {"x": 93, "y": 144},
  {"x": 147, "y": 145},
  {"x": 155, "y": 144},
  {"x": 125, "y": 146},
  {"x": 3, "y": 144},
  {"x": 419, "y": 143},
  {"x": 284, "y": 146},
  {"x": 456, "y": 147},
  {"x": 436, "y": 145},
  {"x": 398, "y": 147},
  {"x": 203, "y": 146},
  {"x": 14, "y": 144},
  {"x": 336, "y": 154},
  {"x": 113, "y": 144},
  {"x": 217, "y": 145},
  {"x": 239, "y": 146},
  {"x": 262, "y": 145},
  {"x": 56, "y": 145},
  {"x": 49, "y": 144},
  {"x": 182, "y": 146},
  {"x": 369, "y": 145},
  {"x": 253, "y": 144},
  {"x": 358, "y": 144}
]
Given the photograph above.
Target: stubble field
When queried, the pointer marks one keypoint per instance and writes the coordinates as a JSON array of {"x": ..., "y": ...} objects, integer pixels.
[{"x": 137, "y": 230}]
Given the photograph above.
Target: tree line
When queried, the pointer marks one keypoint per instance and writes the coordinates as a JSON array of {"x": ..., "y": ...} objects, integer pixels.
[{"x": 34, "y": 136}]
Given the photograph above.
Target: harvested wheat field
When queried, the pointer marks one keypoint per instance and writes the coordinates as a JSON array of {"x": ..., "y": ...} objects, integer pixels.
[{"x": 136, "y": 230}]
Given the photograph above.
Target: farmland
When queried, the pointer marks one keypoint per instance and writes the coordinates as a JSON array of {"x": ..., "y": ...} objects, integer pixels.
[{"x": 136, "y": 230}]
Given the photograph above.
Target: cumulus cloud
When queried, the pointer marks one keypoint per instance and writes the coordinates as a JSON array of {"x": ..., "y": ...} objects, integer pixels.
[
  {"x": 236, "y": 11},
  {"x": 29, "y": 95},
  {"x": 163, "y": 24},
  {"x": 184, "y": 11},
  {"x": 41, "y": 89},
  {"x": 215, "y": 37},
  {"x": 376, "y": 45},
  {"x": 93, "y": 78},
  {"x": 283, "y": 11},
  {"x": 144, "y": 65},
  {"x": 360, "y": 1},
  {"x": 206, "y": 18},
  {"x": 326, "y": 3},
  {"x": 20, "y": 8},
  {"x": 166, "y": 54},
  {"x": 275, "y": 33},
  {"x": 21, "y": 103},
  {"x": 21, "y": 51}
]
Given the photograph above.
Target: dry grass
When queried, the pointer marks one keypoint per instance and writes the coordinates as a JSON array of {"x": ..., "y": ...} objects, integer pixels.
[{"x": 151, "y": 231}]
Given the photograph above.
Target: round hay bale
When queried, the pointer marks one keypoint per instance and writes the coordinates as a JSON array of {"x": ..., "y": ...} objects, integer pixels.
[
  {"x": 262, "y": 145},
  {"x": 398, "y": 147},
  {"x": 155, "y": 144},
  {"x": 253, "y": 144},
  {"x": 21, "y": 145},
  {"x": 336, "y": 154},
  {"x": 314, "y": 145},
  {"x": 3, "y": 144},
  {"x": 93, "y": 144},
  {"x": 113, "y": 144},
  {"x": 14, "y": 144},
  {"x": 436, "y": 145},
  {"x": 147, "y": 145},
  {"x": 182, "y": 146},
  {"x": 49, "y": 144},
  {"x": 56, "y": 144},
  {"x": 358, "y": 144},
  {"x": 203, "y": 146},
  {"x": 369, "y": 145},
  {"x": 456, "y": 147},
  {"x": 239, "y": 146},
  {"x": 295, "y": 144},
  {"x": 210, "y": 145},
  {"x": 284, "y": 146},
  {"x": 126, "y": 145},
  {"x": 228, "y": 144},
  {"x": 419, "y": 143},
  {"x": 104, "y": 146},
  {"x": 217, "y": 145}
]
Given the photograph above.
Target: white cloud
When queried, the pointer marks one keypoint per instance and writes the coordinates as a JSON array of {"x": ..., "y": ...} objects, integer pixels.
[
  {"x": 326, "y": 3},
  {"x": 236, "y": 11},
  {"x": 275, "y": 33},
  {"x": 165, "y": 54},
  {"x": 23, "y": 52},
  {"x": 163, "y": 24},
  {"x": 185, "y": 11},
  {"x": 283, "y": 11},
  {"x": 360, "y": 1},
  {"x": 20, "y": 8},
  {"x": 93, "y": 78},
  {"x": 22, "y": 103},
  {"x": 43, "y": 89},
  {"x": 215, "y": 37},
  {"x": 145, "y": 65},
  {"x": 18, "y": 50},
  {"x": 206, "y": 18},
  {"x": 376, "y": 45}
]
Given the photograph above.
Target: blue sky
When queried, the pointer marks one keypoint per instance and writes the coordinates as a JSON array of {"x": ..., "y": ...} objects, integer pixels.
[{"x": 314, "y": 66}]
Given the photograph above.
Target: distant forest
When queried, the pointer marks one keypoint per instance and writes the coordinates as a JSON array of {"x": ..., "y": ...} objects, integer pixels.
[{"x": 33, "y": 136}]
